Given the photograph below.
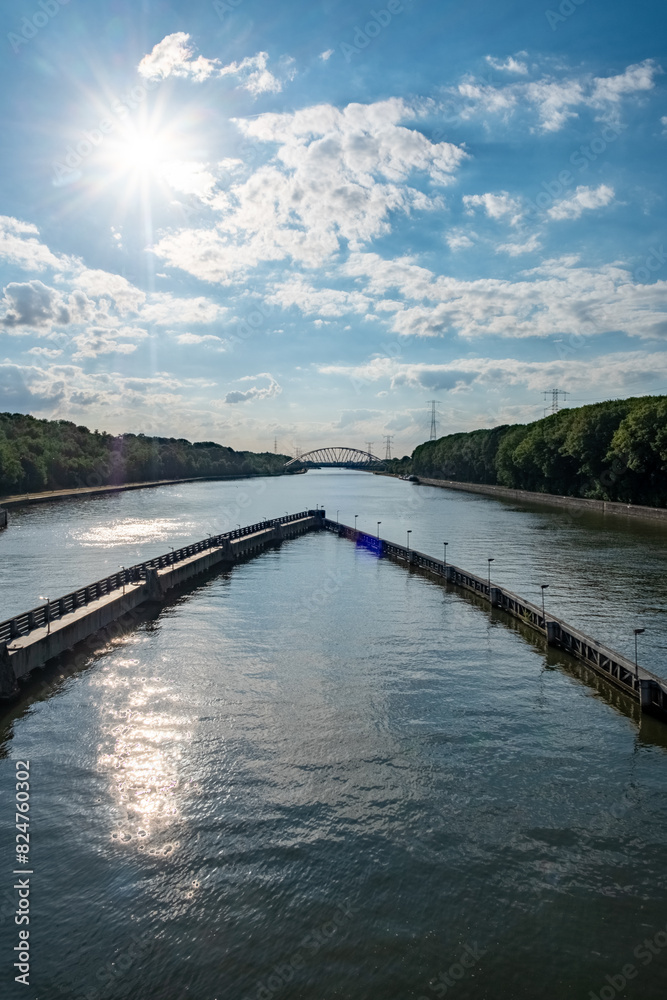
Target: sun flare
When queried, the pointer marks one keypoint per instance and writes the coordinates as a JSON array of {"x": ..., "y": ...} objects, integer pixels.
[{"x": 142, "y": 152}]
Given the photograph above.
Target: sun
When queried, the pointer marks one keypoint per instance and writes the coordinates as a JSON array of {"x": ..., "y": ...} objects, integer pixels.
[{"x": 142, "y": 152}]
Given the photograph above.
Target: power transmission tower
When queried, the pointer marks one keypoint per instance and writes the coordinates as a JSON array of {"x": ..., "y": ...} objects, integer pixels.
[
  {"x": 369, "y": 447},
  {"x": 275, "y": 446},
  {"x": 555, "y": 393},
  {"x": 388, "y": 438},
  {"x": 433, "y": 403}
]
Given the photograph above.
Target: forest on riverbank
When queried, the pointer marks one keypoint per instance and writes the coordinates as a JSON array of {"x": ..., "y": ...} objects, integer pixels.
[
  {"x": 40, "y": 455},
  {"x": 614, "y": 451}
]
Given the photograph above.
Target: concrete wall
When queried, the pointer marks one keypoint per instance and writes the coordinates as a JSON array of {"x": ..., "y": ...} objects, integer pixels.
[
  {"x": 573, "y": 503},
  {"x": 23, "y": 653},
  {"x": 640, "y": 684}
]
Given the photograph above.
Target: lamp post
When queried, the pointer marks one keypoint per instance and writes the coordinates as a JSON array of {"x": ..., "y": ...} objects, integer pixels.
[
  {"x": 355, "y": 521},
  {"x": 337, "y": 513},
  {"x": 638, "y": 631},
  {"x": 48, "y": 613},
  {"x": 444, "y": 560},
  {"x": 543, "y": 587},
  {"x": 492, "y": 559},
  {"x": 379, "y": 523},
  {"x": 409, "y": 533}
]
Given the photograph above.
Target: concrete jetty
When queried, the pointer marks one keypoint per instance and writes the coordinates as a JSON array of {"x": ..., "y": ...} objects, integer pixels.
[
  {"x": 31, "y": 639},
  {"x": 640, "y": 684}
]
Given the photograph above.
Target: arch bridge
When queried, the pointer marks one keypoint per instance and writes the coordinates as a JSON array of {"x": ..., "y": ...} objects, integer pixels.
[{"x": 336, "y": 457}]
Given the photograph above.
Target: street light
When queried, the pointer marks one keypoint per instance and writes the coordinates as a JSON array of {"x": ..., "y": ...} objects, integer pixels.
[
  {"x": 638, "y": 631},
  {"x": 337, "y": 513},
  {"x": 409, "y": 533},
  {"x": 48, "y": 613},
  {"x": 489, "y": 562},
  {"x": 355, "y": 521},
  {"x": 379, "y": 523},
  {"x": 445, "y": 544},
  {"x": 543, "y": 587}
]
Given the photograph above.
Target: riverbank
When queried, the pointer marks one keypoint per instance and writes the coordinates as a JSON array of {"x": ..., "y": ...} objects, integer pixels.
[
  {"x": 552, "y": 500},
  {"x": 29, "y": 498}
]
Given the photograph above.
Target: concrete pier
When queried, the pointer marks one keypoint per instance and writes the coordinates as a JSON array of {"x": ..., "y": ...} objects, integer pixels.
[
  {"x": 642, "y": 685},
  {"x": 31, "y": 639}
]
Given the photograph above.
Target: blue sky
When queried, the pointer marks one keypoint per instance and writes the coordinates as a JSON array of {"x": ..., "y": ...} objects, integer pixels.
[{"x": 245, "y": 220}]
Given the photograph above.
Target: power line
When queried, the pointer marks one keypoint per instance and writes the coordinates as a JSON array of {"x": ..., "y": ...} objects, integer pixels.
[
  {"x": 433, "y": 403},
  {"x": 555, "y": 393}
]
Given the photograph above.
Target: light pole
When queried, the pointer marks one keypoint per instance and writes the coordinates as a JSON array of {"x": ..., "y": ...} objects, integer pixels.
[
  {"x": 48, "y": 613},
  {"x": 355, "y": 521},
  {"x": 379, "y": 523},
  {"x": 337, "y": 513},
  {"x": 543, "y": 587},
  {"x": 638, "y": 631},
  {"x": 123, "y": 570},
  {"x": 409, "y": 533},
  {"x": 444, "y": 561},
  {"x": 489, "y": 562}
]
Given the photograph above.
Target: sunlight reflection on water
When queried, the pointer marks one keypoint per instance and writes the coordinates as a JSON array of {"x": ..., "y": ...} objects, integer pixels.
[{"x": 121, "y": 531}]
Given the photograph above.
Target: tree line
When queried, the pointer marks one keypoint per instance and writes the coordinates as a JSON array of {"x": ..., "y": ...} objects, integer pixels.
[
  {"x": 614, "y": 451},
  {"x": 40, "y": 455}
]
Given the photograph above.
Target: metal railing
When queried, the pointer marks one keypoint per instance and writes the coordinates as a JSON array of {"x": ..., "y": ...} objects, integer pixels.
[
  {"x": 618, "y": 668},
  {"x": 44, "y": 614}
]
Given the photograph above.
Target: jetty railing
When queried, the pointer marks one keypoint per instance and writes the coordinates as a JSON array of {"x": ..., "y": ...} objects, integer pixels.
[
  {"x": 44, "y": 614},
  {"x": 636, "y": 681}
]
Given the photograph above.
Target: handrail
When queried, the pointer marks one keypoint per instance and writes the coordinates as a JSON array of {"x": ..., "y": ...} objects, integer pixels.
[
  {"x": 41, "y": 616},
  {"x": 614, "y": 665}
]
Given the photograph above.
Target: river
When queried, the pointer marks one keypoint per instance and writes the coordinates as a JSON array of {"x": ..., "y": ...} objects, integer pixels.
[{"x": 319, "y": 776}]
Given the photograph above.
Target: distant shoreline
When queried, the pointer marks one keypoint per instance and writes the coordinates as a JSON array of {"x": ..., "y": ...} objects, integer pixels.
[
  {"x": 553, "y": 499},
  {"x": 29, "y": 498}
]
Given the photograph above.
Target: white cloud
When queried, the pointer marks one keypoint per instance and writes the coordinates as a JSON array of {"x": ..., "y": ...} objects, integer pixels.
[
  {"x": 195, "y": 338},
  {"x": 558, "y": 297},
  {"x": 583, "y": 199},
  {"x": 164, "y": 309},
  {"x": 519, "y": 247},
  {"x": 173, "y": 57},
  {"x": 326, "y": 55},
  {"x": 45, "y": 352},
  {"x": 607, "y": 374},
  {"x": 94, "y": 341},
  {"x": 337, "y": 176},
  {"x": 313, "y": 301},
  {"x": 253, "y": 74},
  {"x": 457, "y": 240},
  {"x": 255, "y": 392},
  {"x": 555, "y": 101},
  {"x": 511, "y": 65},
  {"x": 112, "y": 288},
  {"x": 496, "y": 206},
  {"x": 19, "y": 246},
  {"x": 33, "y": 304},
  {"x": 188, "y": 177}
]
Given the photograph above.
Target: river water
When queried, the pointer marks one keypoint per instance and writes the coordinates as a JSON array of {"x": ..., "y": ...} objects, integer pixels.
[{"x": 319, "y": 776}]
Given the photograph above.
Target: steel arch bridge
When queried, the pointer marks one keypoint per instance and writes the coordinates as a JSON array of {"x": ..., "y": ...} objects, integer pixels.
[{"x": 336, "y": 457}]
